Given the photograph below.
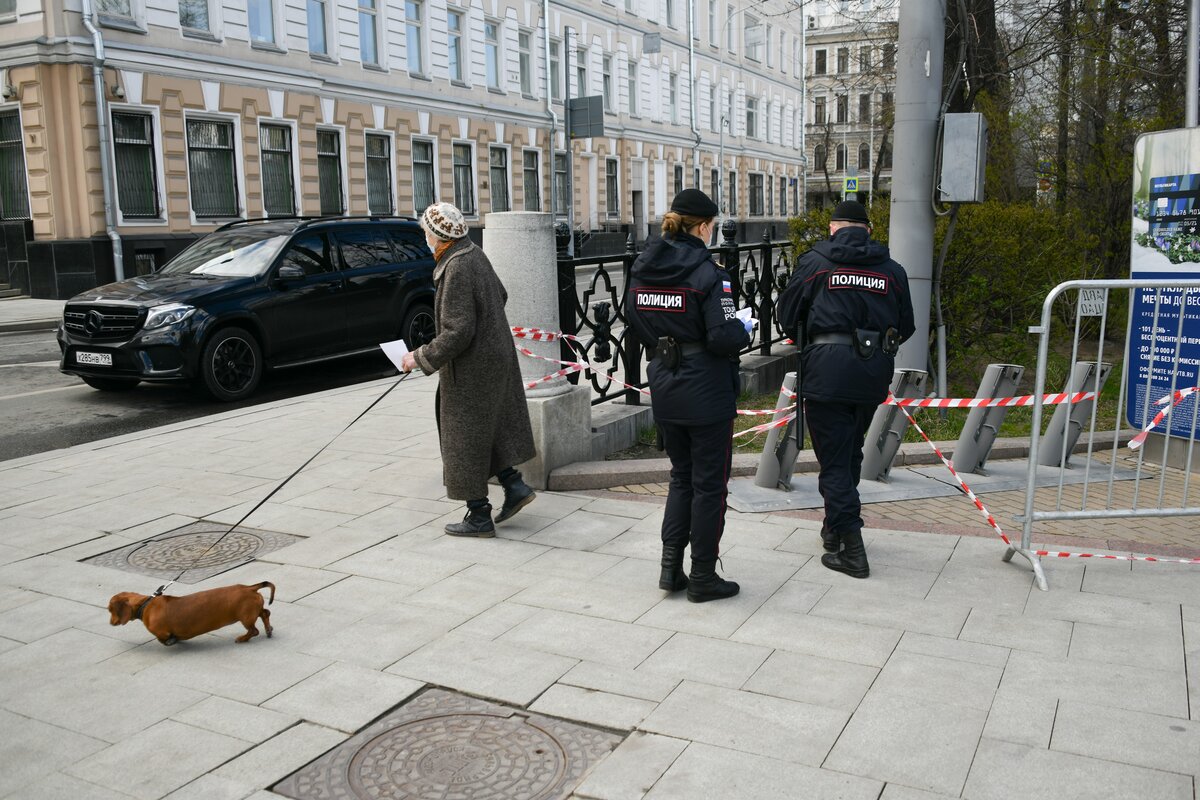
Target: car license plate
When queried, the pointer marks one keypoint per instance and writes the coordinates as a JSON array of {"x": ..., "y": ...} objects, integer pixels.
[{"x": 95, "y": 359}]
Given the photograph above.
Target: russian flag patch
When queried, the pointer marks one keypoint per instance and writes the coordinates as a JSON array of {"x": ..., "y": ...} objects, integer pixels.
[{"x": 725, "y": 287}]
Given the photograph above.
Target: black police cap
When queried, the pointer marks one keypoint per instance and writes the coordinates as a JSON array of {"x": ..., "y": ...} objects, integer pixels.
[
  {"x": 850, "y": 211},
  {"x": 694, "y": 203}
]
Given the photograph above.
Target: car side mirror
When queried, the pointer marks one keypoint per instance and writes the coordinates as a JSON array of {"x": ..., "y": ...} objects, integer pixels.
[{"x": 289, "y": 273}]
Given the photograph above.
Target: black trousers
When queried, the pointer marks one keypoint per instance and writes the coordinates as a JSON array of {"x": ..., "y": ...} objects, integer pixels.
[
  {"x": 700, "y": 461},
  {"x": 838, "y": 431}
]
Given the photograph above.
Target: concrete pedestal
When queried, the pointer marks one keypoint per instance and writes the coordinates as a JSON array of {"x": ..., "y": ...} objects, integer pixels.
[{"x": 562, "y": 431}]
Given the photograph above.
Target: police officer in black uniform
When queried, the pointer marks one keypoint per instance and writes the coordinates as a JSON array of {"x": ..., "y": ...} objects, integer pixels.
[
  {"x": 679, "y": 304},
  {"x": 850, "y": 306}
]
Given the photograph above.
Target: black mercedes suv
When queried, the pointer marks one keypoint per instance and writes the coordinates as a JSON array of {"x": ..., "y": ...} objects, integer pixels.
[{"x": 255, "y": 295}]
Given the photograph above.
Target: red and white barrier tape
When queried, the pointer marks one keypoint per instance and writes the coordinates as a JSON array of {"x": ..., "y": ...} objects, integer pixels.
[
  {"x": 1174, "y": 400},
  {"x": 541, "y": 335},
  {"x": 989, "y": 402}
]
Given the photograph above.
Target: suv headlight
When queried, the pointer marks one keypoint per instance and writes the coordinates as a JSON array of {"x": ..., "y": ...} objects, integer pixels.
[{"x": 170, "y": 314}]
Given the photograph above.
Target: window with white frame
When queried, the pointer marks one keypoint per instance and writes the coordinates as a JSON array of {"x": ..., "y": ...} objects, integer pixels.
[
  {"x": 782, "y": 196},
  {"x": 843, "y": 108},
  {"x": 756, "y": 194},
  {"x": 329, "y": 171},
  {"x": 115, "y": 10},
  {"x": 525, "y": 61},
  {"x": 729, "y": 117},
  {"x": 712, "y": 21},
  {"x": 752, "y": 117},
  {"x": 464, "y": 178},
  {"x": 796, "y": 57},
  {"x": 261, "y": 16},
  {"x": 633, "y": 88},
  {"x": 864, "y": 108},
  {"x": 782, "y": 51},
  {"x": 769, "y": 196},
  {"x": 212, "y": 171},
  {"x": 752, "y": 36},
  {"x": 670, "y": 13},
  {"x": 768, "y": 35},
  {"x": 714, "y": 121},
  {"x": 136, "y": 173},
  {"x": 424, "y": 193},
  {"x": 678, "y": 178},
  {"x": 819, "y": 110},
  {"x": 14, "y": 194},
  {"x": 413, "y": 38},
  {"x": 840, "y": 158},
  {"x": 843, "y": 60},
  {"x": 730, "y": 29},
  {"x": 796, "y": 195},
  {"x": 696, "y": 177},
  {"x": 732, "y": 189},
  {"x": 819, "y": 62},
  {"x": 714, "y": 180},
  {"x": 193, "y": 16},
  {"x": 278, "y": 183},
  {"x": 491, "y": 52},
  {"x": 766, "y": 126},
  {"x": 318, "y": 32},
  {"x": 673, "y": 97},
  {"x": 864, "y": 157},
  {"x": 864, "y": 58},
  {"x": 498, "y": 176},
  {"x": 560, "y": 184},
  {"x": 612, "y": 187},
  {"x": 379, "y": 174},
  {"x": 368, "y": 32},
  {"x": 455, "y": 28},
  {"x": 631, "y": 6},
  {"x": 8, "y": 11},
  {"x": 820, "y": 158},
  {"x": 555, "y": 71},
  {"x": 581, "y": 74},
  {"x": 606, "y": 82},
  {"x": 532, "y": 180}
]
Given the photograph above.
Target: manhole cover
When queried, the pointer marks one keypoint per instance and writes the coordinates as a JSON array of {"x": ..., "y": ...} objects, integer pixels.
[
  {"x": 445, "y": 746},
  {"x": 198, "y": 548}
]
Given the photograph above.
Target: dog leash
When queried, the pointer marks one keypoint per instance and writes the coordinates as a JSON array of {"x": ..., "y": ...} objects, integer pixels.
[{"x": 297, "y": 471}]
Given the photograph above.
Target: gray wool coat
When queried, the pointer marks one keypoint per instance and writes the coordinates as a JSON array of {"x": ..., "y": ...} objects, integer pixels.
[{"x": 483, "y": 422}]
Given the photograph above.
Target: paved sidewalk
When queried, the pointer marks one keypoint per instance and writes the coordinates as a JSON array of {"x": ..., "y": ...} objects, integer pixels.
[
  {"x": 946, "y": 674},
  {"x": 28, "y": 314}
]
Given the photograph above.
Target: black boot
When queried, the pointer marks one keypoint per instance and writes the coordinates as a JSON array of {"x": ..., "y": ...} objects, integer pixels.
[
  {"x": 517, "y": 494},
  {"x": 705, "y": 584},
  {"x": 672, "y": 578},
  {"x": 477, "y": 523},
  {"x": 830, "y": 539},
  {"x": 853, "y": 558}
]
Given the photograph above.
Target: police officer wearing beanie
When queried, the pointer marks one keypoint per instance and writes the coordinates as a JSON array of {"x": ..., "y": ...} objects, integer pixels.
[
  {"x": 680, "y": 306},
  {"x": 850, "y": 305}
]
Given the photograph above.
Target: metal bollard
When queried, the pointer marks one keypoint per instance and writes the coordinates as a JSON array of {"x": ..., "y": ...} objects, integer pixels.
[
  {"x": 1054, "y": 449},
  {"x": 779, "y": 451},
  {"x": 888, "y": 426},
  {"x": 983, "y": 424}
]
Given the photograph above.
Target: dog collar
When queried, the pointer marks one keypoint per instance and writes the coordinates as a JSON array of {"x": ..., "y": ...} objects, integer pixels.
[{"x": 137, "y": 614}]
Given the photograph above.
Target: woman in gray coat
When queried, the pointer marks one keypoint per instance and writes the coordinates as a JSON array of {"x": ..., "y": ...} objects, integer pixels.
[{"x": 483, "y": 422}]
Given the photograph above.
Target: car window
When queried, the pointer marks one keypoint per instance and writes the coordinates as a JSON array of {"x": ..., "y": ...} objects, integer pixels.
[
  {"x": 365, "y": 248},
  {"x": 310, "y": 253},
  {"x": 236, "y": 253},
  {"x": 410, "y": 245}
]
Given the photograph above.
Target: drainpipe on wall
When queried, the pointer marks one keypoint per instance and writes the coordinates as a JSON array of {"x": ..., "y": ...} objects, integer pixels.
[
  {"x": 550, "y": 103},
  {"x": 804, "y": 109},
  {"x": 110, "y": 226},
  {"x": 692, "y": 81}
]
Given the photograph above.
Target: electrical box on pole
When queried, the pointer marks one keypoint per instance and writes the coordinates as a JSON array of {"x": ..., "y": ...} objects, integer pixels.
[
  {"x": 964, "y": 156},
  {"x": 586, "y": 115}
]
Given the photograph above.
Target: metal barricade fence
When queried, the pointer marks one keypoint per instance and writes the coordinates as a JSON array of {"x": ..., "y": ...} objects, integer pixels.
[{"x": 1161, "y": 361}]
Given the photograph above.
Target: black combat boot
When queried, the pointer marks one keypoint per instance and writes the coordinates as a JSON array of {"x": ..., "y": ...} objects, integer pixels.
[
  {"x": 830, "y": 539},
  {"x": 705, "y": 584},
  {"x": 853, "y": 558},
  {"x": 672, "y": 578},
  {"x": 517, "y": 494},
  {"x": 477, "y": 522}
]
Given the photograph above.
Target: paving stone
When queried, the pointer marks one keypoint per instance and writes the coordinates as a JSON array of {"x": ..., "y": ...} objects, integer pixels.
[
  {"x": 283, "y": 518},
  {"x": 212, "y": 787},
  {"x": 275, "y": 758},
  {"x": 8, "y": 644},
  {"x": 498, "y": 552},
  {"x": 796, "y": 596},
  {"x": 292, "y": 582},
  {"x": 1115, "y": 685},
  {"x": 630, "y": 770},
  {"x": 885, "y": 579},
  {"x": 619, "y": 680},
  {"x": 157, "y": 760},
  {"x": 45, "y": 616},
  {"x": 754, "y": 533},
  {"x": 582, "y": 530},
  {"x": 903, "y": 613},
  {"x": 953, "y": 649},
  {"x": 586, "y": 638},
  {"x": 1162, "y": 585},
  {"x": 11, "y": 598},
  {"x": 592, "y": 598},
  {"x": 942, "y": 681},
  {"x": 923, "y": 745},
  {"x": 39, "y": 535},
  {"x": 467, "y": 593},
  {"x": 712, "y": 661},
  {"x": 496, "y": 669},
  {"x": 322, "y": 551},
  {"x": 30, "y": 749},
  {"x": 621, "y": 508},
  {"x": 618, "y": 712},
  {"x": 998, "y": 589},
  {"x": 396, "y": 562},
  {"x": 804, "y": 541},
  {"x": 1128, "y": 737},
  {"x": 894, "y": 791},
  {"x": 1100, "y": 609},
  {"x": 1004, "y": 770},
  {"x": 83, "y": 583},
  {"x": 570, "y": 563},
  {"x": 58, "y": 786},
  {"x": 704, "y": 771},
  {"x": 496, "y": 621},
  {"x": 231, "y": 718},
  {"x": 812, "y": 679},
  {"x": 645, "y": 545},
  {"x": 913, "y": 551},
  {"x": 1134, "y": 647},
  {"x": 356, "y": 503},
  {"x": 344, "y": 696},
  {"x": 747, "y": 553},
  {"x": 818, "y": 636},
  {"x": 55, "y": 658},
  {"x": 358, "y": 597},
  {"x": 1018, "y": 717},
  {"x": 1049, "y": 637},
  {"x": 752, "y": 723}
]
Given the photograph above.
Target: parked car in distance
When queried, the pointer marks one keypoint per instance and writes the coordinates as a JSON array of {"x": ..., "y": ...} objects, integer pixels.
[{"x": 251, "y": 296}]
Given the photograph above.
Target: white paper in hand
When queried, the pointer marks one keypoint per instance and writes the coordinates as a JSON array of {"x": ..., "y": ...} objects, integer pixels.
[
  {"x": 395, "y": 351},
  {"x": 744, "y": 315}
]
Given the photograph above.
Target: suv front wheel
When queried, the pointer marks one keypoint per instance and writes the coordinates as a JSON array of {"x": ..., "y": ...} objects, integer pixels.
[
  {"x": 418, "y": 327},
  {"x": 231, "y": 365}
]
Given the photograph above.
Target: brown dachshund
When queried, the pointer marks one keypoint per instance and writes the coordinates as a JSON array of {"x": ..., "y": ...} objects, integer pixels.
[{"x": 173, "y": 619}]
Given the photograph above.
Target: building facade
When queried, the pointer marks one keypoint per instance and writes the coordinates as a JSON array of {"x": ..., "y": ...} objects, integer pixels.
[
  {"x": 219, "y": 110},
  {"x": 851, "y": 77}
]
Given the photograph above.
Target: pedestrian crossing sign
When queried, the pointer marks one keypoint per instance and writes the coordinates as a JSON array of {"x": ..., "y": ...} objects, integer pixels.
[{"x": 851, "y": 185}]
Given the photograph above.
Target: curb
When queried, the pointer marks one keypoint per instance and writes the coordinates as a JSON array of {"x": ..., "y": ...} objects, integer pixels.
[{"x": 24, "y": 326}]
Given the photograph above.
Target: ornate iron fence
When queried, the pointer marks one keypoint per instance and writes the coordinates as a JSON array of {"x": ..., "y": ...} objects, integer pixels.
[{"x": 591, "y": 306}]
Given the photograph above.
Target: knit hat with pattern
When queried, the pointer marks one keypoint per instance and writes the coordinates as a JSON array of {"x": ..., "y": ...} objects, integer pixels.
[{"x": 444, "y": 221}]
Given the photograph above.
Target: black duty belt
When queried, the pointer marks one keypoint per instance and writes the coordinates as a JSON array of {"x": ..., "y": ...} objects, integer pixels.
[
  {"x": 691, "y": 348},
  {"x": 831, "y": 338}
]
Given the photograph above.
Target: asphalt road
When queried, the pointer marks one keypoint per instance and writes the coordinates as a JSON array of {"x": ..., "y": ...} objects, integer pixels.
[{"x": 42, "y": 409}]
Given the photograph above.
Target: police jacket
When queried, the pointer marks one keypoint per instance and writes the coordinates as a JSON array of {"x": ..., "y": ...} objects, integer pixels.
[
  {"x": 676, "y": 289},
  {"x": 841, "y": 286}
]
